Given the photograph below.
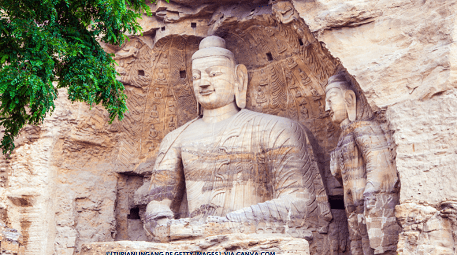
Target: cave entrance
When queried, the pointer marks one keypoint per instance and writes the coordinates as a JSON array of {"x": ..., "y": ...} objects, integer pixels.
[{"x": 128, "y": 221}]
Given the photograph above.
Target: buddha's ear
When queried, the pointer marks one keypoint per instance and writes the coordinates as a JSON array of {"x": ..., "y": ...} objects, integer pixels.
[
  {"x": 351, "y": 104},
  {"x": 241, "y": 85}
]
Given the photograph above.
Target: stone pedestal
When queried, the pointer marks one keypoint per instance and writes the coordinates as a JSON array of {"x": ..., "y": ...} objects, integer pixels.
[{"x": 223, "y": 244}]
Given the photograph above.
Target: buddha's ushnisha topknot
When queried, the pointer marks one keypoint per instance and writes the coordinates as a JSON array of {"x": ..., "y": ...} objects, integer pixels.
[{"x": 213, "y": 46}]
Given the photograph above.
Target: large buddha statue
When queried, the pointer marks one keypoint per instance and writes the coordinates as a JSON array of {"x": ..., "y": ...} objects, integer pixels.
[{"x": 233, "y": 164}]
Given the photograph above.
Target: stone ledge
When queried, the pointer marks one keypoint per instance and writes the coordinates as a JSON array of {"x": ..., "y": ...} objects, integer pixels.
[{"x": 225, "y": 244}]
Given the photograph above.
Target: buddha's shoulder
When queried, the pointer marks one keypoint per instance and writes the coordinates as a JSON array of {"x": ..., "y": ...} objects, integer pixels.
[
  {"x": 268, "y": 120},
  {"x": 263, "y": 117},
  {"x": 173, "y": 135}
]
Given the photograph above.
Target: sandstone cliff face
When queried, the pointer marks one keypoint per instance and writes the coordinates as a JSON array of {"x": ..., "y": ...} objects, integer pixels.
[
  {"x": 403, "y": 54},
  {"x": 72, "y": 180}
]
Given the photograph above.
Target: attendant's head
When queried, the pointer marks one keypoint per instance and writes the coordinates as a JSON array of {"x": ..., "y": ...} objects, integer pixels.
[
  {"x": 217, "y": 79},
  {"x": 344, "y": 101},
  {"x": 340, "y": 99}
]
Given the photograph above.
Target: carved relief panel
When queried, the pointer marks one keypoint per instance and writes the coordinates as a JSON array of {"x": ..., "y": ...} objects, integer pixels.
[{"x": 160, "y": 96}]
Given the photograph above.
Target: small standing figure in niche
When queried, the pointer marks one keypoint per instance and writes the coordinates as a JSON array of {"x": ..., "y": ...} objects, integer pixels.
[
  {"x": 303, "y": 109},
  {"x": 171, "y": 124},
  {"x": 318, "y": 98},
  {"x": 363, "y": 163},
  {"x": 154, "y": 113},
  {"x": 153, "y": 132},
  {"x": 171, "y": 107},
  {"x": 264, "y": 79},
  {"x": 290, "y": 80}
]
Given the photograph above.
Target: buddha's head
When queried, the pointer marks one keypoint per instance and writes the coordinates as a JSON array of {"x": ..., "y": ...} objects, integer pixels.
[
  {"x": 340, "y": 99},
  {"x": 217, "y": 79}
]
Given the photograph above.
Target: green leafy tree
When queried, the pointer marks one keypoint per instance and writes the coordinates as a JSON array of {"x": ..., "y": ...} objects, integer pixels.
[{"x": 51, "y": 44}]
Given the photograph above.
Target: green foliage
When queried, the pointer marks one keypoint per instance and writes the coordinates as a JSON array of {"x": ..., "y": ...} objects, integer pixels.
[{"x": 51, "y": 44}]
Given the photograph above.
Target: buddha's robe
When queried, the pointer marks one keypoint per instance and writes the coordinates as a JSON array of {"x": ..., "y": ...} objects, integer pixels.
[{"x": 250, "y": 167}]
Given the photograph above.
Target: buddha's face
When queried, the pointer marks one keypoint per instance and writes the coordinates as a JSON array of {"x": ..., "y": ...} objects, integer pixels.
[
  {"x": 335, "y": 104},
  {"x": 214, "y": 81}
]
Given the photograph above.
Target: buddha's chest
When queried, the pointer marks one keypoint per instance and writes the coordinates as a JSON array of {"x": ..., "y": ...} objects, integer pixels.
[{"x": 211, "y": 160}]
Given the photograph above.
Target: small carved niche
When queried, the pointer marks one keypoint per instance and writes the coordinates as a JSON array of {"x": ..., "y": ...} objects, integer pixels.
[
  {"x": 300, "y": 41},
  {"x": 134, "y": 214},
  {"x": 162, "y": 28},
  {"x": 269, "y": 56},
  {"x": 182, "y": 74},
  {"x": 140, "y": 72},
  {"x": 193, "y": 25}
]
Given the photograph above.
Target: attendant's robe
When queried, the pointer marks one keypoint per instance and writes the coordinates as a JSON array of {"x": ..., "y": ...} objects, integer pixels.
[{"x": 362, "y": 161}]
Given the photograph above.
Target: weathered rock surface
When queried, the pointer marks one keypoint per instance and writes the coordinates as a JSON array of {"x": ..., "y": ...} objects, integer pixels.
[
  {"x": 222, "y": 243},
  {"x": 71, "y": 180},
  {"x": 403, "y": 54}
]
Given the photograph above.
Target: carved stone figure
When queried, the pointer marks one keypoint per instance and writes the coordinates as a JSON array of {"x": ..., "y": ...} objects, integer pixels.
[
  {"x": 264, "y": 78},
  {"x": 260, "y": 97},
  {"x": 171, "y": 124},
  {"x": 235, "y": 165},
  {"x": 290, "y": 80},
  {"x": 291, "y": 63},
  {"x": 153, "y": 132},
  {"x": 154, "y": 112},
  {"x": 161, "y": 79},
  {"x": 363, "y": 163},
  {"x": 125, "y": 57},
  {"x": 171, "y": 107},
  {"x": 284, "y": 11},
  {"x": 303, "y": 109},
  {"x": 129, "y": 51},
  {"x": 304, "y": 78},
  {"x": 157, "y": 94},
  {"x": 164, "y": 60}
]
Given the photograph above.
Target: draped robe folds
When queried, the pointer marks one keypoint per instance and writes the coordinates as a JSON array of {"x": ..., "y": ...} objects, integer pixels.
[
  {"x": 363, "y": 163},
  {"x": 250, "y": 167}
]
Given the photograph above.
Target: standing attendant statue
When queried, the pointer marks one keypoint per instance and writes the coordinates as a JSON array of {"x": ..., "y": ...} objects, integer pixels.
[
  {"x": 233, "y": 164},
  {"x": 362, "y": 161}
]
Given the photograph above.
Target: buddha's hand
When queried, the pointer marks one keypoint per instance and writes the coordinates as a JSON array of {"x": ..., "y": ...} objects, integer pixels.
[
  {"x": 369, "y": 196},
  {"x": 156, "y": 220},
  {"x": 369, "y": 201}
]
